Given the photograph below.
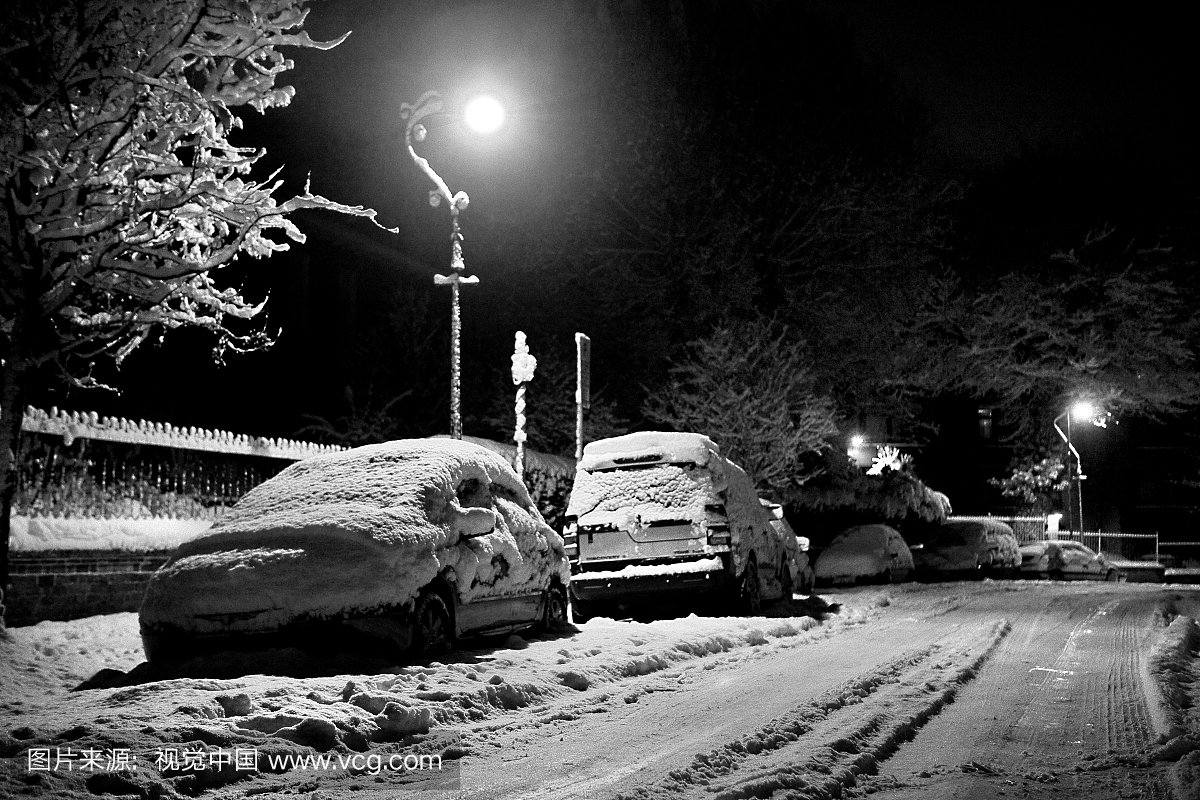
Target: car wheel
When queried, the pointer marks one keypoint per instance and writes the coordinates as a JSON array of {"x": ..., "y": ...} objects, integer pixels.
[
  {"x": 1057, "y": 575},
  {"x": 807, "y": 582},
  {"x": 885, "y": 576},
  {"x": 1112, "y": 576},
  {"x": 785, "y": 583},
  {"x": 582, "y": 610},
  {"x": 554, "y": 614},
  {"x": 432, "y": 631},
  {"x": 749, "y": 596}
]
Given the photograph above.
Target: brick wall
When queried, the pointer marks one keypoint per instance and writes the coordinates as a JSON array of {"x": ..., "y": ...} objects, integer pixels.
[{"x": 69, "y": 584}]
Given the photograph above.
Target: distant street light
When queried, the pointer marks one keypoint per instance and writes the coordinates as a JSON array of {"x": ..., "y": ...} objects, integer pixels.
[
  {"x": 1081, "y": 411},
  {"x": 485, "y": 115}
]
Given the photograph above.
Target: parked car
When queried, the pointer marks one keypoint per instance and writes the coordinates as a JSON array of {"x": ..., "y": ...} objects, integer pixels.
[
  {"x": 1065, "y": 560},
  {"x": 406, "y": 544},
  {"x": 804, "y": 578},
  {"x": 864, "y": 554},
  {"x": 657, "y": 517},
  {"x": 968, "y": 548}
]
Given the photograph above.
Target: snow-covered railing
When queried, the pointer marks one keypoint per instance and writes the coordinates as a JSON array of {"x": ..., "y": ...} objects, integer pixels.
[
  {"x": 81, "y": 466},
  {"x": 74, "y": 425}
]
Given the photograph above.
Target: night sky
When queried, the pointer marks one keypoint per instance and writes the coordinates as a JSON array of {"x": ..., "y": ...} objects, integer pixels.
[{"x": 1097, "y": 101}]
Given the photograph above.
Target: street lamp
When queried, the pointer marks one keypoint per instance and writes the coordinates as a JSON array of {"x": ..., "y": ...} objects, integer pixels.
[
  {"x": 485, "y": 115},
  {"x": 1081, "y": 410}
]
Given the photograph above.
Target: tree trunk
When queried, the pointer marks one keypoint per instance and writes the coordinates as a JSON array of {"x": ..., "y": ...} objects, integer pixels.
[{"x": 12, "y": 411}]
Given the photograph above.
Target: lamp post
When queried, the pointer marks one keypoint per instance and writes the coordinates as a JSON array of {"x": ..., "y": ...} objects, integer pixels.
[
  {"x": 1080, "y": 410},
  {"x": 485, "y": 115}
]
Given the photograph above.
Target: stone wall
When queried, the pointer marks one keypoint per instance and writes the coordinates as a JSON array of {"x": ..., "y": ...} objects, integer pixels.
[{"x": 70, "y": 584}]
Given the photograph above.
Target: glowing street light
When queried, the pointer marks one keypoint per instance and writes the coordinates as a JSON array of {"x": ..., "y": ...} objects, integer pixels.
[
  {"x": 1082, "y": 411},
  {"x": 485, "y": 115}
]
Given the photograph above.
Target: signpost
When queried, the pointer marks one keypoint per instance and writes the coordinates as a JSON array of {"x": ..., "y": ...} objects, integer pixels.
[{"x": 583, "y": 385}]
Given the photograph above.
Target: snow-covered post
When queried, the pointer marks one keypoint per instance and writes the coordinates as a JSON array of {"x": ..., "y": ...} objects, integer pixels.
[
  {"x": 523, "y": 365},
  {"x": 583, "y": 383},
  {"x": 427, "y": 104}
]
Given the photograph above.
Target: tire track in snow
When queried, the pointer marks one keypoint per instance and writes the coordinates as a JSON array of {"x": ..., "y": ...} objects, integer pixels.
[
  {"x": 1059, "y": 712},
  {"x": 820, "y": 749}
]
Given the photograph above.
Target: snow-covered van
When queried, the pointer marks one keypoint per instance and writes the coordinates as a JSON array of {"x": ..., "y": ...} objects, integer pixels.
[
  {"x": 656, "y": 516},
  {"x": 407, "y": 543}
]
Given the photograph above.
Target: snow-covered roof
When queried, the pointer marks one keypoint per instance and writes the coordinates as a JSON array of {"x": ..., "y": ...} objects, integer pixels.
[
  {"x": 534, "y": 459},
  {"x": 648, "y": 447},
  {"x": 395, "y": 492}
]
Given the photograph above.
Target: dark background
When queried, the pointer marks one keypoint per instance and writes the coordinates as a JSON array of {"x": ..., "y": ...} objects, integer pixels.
[{"x": 1047, "y": 122}]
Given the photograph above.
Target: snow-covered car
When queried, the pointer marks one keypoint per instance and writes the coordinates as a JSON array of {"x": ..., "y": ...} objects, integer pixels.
[
  {"x": 803, "y": 577},
  {"x": 1065, "y": 560},
  {"x": 656, "y": 517},
  {"x": 398, "y": 546},
  {"x": 864, "y": 554},
  {"x": 968, "y": 548}
]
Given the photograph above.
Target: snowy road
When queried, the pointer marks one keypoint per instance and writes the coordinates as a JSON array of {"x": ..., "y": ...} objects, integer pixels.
[{"x": 981, "y": 690}]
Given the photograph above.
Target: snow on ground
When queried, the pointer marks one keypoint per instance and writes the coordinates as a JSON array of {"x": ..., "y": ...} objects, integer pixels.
[
  {"x": 500, "y": 692},
  {"x": 1175, "y": 686}
]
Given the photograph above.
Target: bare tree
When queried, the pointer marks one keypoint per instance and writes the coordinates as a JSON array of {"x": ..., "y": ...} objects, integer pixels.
[
  {"x": 748, "y": 387},
  {"x": 1107, "y": 322},
  {"x": 123, "y": 197}
]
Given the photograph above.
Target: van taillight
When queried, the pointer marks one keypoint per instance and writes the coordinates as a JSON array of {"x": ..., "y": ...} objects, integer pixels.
[
  {"x": 718, "y": 523},
  {"x": 718, "y": 533},
  {"x": 571, "y": 539}
]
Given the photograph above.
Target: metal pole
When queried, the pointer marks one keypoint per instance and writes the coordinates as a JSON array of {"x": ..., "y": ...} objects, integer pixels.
[
  {"x": 455, "y": 364},
  {"x": 1070, "y": 477},
  {"x": 431, "y": 103}
]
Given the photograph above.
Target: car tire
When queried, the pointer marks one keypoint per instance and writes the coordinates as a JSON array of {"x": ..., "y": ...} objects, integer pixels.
[
  {"x": 749, "y": 591},
  {"x": 582, "y": 610},
  {"x": 1057, "y": 575},
  {"x": 433, "y": 632},
  {"x": 1112, "y": 576},
  {"x": 808, "y": 583},
  {"x": 885, "y": 576},
  {"x": 554, "y": 611},
  {"x": 786, "y": 584}
]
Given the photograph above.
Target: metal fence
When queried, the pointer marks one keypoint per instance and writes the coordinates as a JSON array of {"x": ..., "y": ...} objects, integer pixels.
[
  {"x": 85, "y": 466},
  {"x": 1129, "y": 546},
  {"x": 1185, "y": 555}
]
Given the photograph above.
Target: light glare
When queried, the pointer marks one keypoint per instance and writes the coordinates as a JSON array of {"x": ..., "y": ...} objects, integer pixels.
[
  {"x": 484, "y": 114},
  {"x": 1083, "y": 410}
]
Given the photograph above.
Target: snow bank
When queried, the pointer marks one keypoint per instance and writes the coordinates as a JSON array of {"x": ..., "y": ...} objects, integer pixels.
[
  {"x": 360, "y": 530},
  {"x": 39, "y": 534}
]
